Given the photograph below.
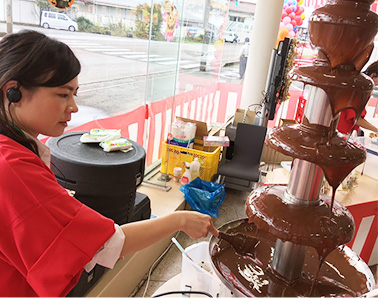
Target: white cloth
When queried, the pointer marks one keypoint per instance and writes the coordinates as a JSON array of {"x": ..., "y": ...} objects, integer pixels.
[
  {"x": 244, "y": 51},
  {"x": 109, "y": 254}
]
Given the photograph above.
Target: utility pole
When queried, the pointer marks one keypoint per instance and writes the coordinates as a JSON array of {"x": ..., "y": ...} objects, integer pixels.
[
  {"x": 9, "y": 19},
  {"x": 206, "y": 35}
]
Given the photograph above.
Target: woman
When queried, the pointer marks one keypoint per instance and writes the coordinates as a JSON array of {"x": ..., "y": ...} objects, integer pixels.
[{"x": 47, "y": 237}]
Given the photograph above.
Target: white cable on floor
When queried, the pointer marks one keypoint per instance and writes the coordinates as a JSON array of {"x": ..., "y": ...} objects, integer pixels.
[{"x": 157, "y": 260}]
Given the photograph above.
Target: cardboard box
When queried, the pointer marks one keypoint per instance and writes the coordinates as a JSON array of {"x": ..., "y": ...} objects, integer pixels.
[
  {"x": 216, "y": 141},
  {"x": 239, "y": 117},
  {"x": 201, "y": 131}
]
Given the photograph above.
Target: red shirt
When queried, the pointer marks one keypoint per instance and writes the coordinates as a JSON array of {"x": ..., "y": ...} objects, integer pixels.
[
  {"x": 46, "y": 236},
  {"x": 346, "y": 121}
]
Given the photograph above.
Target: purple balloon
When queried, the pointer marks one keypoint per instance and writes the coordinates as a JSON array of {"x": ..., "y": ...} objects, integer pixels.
[
  {"x": 289, "y": 2},
  {"x": 293, "y": 8}
]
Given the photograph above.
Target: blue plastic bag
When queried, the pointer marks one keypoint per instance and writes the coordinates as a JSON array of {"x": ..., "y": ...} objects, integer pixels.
[{"x": 203, "y": 196}]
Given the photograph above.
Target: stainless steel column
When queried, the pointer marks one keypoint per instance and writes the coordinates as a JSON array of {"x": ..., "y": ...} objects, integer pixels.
[{"x": 304, "y": 186}]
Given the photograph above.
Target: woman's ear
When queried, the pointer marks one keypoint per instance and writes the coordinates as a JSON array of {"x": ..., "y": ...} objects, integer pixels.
[{"x": 11, "y": 91}]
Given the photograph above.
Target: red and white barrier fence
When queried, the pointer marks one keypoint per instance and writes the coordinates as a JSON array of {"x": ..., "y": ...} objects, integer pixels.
[
  {"x": 148, "y": 125},
  {"x": 365, "y": 241}
]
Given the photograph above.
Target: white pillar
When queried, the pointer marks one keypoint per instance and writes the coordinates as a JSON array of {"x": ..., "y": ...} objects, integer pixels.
[
  {"x": 263, "y": 41},
  {"x": 9, "y": 19}
]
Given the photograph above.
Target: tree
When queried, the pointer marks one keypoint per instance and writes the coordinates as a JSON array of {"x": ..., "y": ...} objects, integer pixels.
[{"x": 142, "y": 24}]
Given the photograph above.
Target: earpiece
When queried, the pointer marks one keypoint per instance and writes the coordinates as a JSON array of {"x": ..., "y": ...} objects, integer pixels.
[{"x": 14, "y": 94}]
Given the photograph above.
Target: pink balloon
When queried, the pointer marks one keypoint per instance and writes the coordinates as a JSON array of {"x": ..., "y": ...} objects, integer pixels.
[
  {"x": 288, "y": 10},
  {"x": 298, "y": 19},
  {"x": 289, "y": 27},
  {"x": 286, "y": 20},
  {"x": 291, "y": 34},
  {"x": 284, "y": 14},
  {"x": 292, "y": 16},
  {"x": 282, "y": 25},
  {"x": 294, "y": 23}
]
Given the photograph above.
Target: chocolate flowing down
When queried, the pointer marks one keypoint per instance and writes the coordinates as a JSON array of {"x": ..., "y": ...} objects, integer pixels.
[
  {"x": 252, "y": 274},
  {"x": 281, "y": 230},
  {"x": 344, "y": 30},
  {"x": 308, "y": 226},
  {"x": 345, "y": 89},
  {"x": 337, "y": 156}
]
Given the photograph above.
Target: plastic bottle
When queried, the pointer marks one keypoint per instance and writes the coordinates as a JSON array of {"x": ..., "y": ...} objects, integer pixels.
[
  {"x": 186, "y": 177},
  {"x": 195, "y": 168}
]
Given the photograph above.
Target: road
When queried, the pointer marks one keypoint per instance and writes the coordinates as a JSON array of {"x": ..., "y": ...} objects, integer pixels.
[{"x": 114, "y": 69}]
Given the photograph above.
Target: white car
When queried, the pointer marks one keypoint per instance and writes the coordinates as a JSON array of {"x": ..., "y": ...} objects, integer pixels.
[
  {"x": 230, "y": 36},
  {"x": 51, "y": 19}
]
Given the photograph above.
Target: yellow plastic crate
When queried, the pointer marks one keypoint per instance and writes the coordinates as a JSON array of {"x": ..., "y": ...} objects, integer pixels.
[{"x": 175, "y": 156}]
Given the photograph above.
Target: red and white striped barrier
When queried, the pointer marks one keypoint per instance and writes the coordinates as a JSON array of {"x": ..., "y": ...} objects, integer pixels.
[
  {"x": 365, "y": 241},
  {"x": 148, "y": 125}
]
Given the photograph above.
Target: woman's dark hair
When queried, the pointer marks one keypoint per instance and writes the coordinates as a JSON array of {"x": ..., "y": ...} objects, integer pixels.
[
  {"x": 373, "y": 68},
  {"x": 33, "y": 60}
]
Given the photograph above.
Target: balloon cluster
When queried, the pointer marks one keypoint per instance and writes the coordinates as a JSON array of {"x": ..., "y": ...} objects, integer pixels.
[{"x": 292, "y": 17}]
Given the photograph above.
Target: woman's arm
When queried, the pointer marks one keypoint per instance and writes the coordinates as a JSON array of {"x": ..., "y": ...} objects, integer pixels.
[
  {"x": 141, "y": 234},
  {"x": 367, "y": 125}
]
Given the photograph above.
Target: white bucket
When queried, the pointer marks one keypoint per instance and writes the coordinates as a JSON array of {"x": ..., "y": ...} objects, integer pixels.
[{"x": 198, "y": 275}]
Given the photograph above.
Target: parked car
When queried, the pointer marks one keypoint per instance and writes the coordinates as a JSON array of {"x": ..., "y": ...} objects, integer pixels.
[
  {"x": 230, "y": 36},
  {"x": 51, "y": 19}
]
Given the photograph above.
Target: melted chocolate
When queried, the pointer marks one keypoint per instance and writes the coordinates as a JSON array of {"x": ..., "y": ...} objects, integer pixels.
[
  {"x": 309, "y": 226},
  {"x": 242, "y": 243},
  {"x": 345, "y": 89},
  {"x": 252, "y": 275},
  {"x": 344, "y": 30},
  {"x": 336, "y": 156}
]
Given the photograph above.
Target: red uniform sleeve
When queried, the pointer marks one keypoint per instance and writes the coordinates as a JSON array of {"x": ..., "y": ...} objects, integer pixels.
[
  {"x": 346, "y": 121},
  {"x": 45, "y": 234},
  {"x": 363, "y": 114}
]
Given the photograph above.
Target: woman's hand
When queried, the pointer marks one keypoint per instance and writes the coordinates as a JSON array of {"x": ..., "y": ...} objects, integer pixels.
[
  {"x": 196, "y": 225},
  {"x": 141, "y": 234}
]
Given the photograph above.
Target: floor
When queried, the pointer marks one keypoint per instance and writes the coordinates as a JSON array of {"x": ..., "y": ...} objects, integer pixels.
[{"x": 170, "y": 264}]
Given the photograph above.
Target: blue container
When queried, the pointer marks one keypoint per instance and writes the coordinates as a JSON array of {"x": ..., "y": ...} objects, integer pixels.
[{"x": 204, "y": 196}]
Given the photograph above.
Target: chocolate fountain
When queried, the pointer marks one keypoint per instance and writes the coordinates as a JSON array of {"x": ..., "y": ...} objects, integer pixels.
[{"x": 297, "y": 234}]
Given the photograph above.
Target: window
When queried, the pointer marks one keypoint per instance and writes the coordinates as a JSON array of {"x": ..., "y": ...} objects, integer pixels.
[
  {"x": 52, "y": 15},
  {"x": 62, "y": 17}
]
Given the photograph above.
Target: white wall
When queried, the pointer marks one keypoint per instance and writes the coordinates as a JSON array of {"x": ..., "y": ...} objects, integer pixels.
[{"x": 24, "y": 11}]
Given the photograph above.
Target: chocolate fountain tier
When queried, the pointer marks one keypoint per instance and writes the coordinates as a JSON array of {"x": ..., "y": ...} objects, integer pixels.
[
  {"x": 369, "y": 2},
  {"x": 345, "y": 30},
  {"x": 346, "y": 89},
  {"x": 343, "y": 273},
  {"x": 336, "y": 156},
  {"x": 309, "y": 226}
]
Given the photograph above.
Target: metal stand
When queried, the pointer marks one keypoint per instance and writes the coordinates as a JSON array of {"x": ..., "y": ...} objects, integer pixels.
[{"x": 303, "y": 188}]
